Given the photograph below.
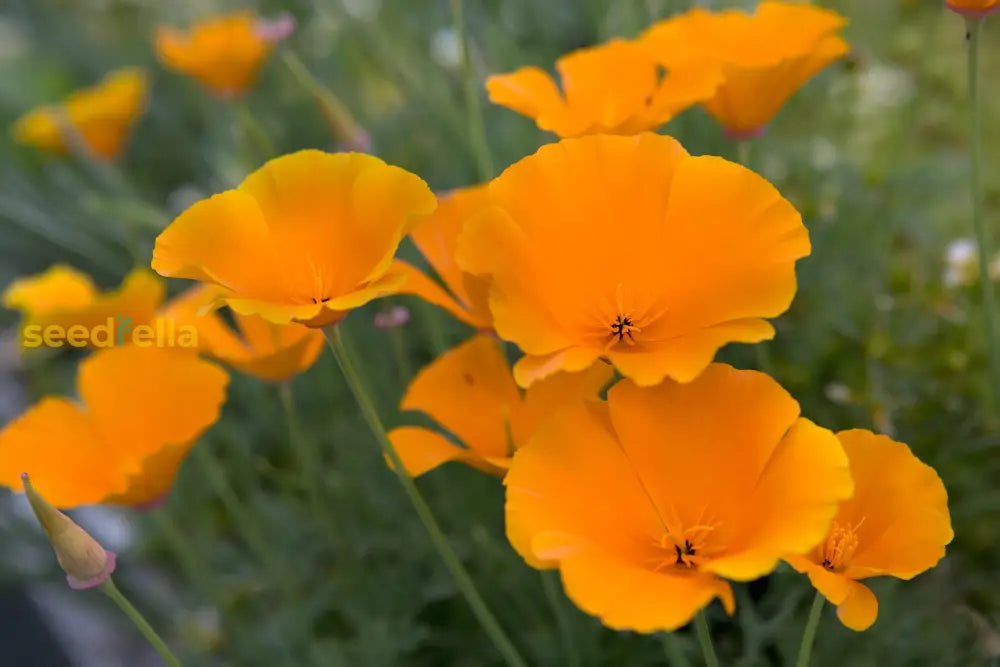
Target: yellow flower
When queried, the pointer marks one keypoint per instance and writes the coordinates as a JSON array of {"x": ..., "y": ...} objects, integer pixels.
[
  {"x": 223, "y": 53},
  {"x": 764, "y": 57},
  {"x": 614, "y": 88},
  {"x": 896, "y": 524},
  {"x": 649, "y": 502},
  {"x": 470, "y": 392},
  {"x": 102, "y": 116},
  {"x": 437, "y": 239},
  {"x": 141, "y": 410},
  {"x": 306, "y": 238},
  {"x": 629, "y": 249}
]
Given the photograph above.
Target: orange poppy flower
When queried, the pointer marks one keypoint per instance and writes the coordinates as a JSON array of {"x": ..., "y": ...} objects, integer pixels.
[
  {"x": 629, "y": 249},
  {"x": 765, "y": 57},
  {"x": 615, "y": 88},
  {"x": 305, "y": 238},
  {"x": 437, "y": 239},
  {"x": 897, "y": 524},
  {"x": 65, "y": 298},
  {"x": 648, "y": 502},
  {"x": 267, "y": 351},
  {"x": 223, "y": 53},
  {"x": 141, "y": 410},
  {"x": 470, "y": 392},
  {"x": 102, "y": 115},
  {"x": 973, "y": 7}
]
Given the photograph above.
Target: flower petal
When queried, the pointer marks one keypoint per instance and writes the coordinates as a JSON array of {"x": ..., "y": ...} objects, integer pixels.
[
  {"x": 57, "y": 444},
  {"x": 857, "y": 607},
  {"x": 61, "y": 287},
  {"x": 422, "y": 450},
  {"x": 418, "y": 284},
  {"x": 469, "y": 391},
  {"x": 529, "y": 91}
]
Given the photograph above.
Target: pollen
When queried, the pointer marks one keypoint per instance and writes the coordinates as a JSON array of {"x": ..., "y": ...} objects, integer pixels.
[{"x": 840, "y": 546}]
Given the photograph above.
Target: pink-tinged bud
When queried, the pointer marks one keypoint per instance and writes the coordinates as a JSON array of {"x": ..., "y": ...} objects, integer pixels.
[
  {"x": 277, "y": 29},
  {"x": 973, "y": 8},
  {"x": 396, "y": 316},
  {"x": 86, "y": 563},
  {"x": 743, "y": 135}
]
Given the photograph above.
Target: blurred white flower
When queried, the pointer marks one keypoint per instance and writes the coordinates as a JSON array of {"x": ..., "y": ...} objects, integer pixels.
[
  {"x": 960, "y": 263},
  {"x": 445, "y": 48}
]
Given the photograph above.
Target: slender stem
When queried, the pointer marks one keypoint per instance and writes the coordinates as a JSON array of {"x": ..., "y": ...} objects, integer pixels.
[
  {"x": 809, "y": 636},
  {"x": 309, "y": 459},
  {"x": 673, "y": 651},
  {"x": 705, "y": 639},
  {"x": 984, "y": 233},
  {"x": 462, "y": 579},
  {"x": 743, "y": 152},
  {"x": 556, "y": 601},
  {"x": 254, "y": 132},
  {"x": 398, "y": 344},
  {"x": 109, "y": 589},
  {"x": 473, "y": 105},
  {"x": 345, "y": 129}
]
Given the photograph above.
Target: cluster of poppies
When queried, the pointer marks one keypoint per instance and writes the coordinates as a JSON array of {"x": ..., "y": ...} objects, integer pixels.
[{"x": 609, "y": 257}]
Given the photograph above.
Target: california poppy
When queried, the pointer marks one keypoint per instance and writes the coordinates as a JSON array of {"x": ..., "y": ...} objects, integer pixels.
[
  {"x": 102, "y": 116},
  {"x": 615, "y": 88},
  {"x": 437, "y": 239},
  {"x": 305, "y": 238},
  {"x": 896, "y": 524},
  {"x": 267, "y": 351},
  {"x": 141, "y": 410},
  {"x": 64, "y": 297},
  {"x": 647, "y": 503},
  {"x": 631, "y": 250},
  {"x": 764, "y": 57},
  {"x": 223, "y": 53},
  {"x": 973, "y": 7},
  {"x": 470, "y": 392}
]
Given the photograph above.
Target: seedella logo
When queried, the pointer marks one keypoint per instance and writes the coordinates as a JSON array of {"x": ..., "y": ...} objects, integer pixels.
[{"x": 116, "y": 331}]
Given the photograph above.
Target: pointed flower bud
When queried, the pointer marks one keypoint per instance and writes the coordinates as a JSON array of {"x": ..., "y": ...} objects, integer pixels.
[{"x": 86, "y": 563}]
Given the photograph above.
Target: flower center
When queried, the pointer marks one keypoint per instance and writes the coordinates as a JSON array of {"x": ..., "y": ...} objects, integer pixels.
[
  {"x": 622, "y": 329},
  {"x": 685, "y": 550},
  {"x": 840, "y": 546}
]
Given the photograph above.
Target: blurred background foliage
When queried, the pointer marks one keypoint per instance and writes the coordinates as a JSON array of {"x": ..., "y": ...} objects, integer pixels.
[{"x": 240, "y": 569}]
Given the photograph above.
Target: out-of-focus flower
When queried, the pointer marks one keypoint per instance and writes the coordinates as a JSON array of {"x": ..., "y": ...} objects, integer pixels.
[
  {"x": 437, "y": 239},
  {"x": 649, "y": 502},
  {"x": 66, "y": 298},
  {"x": 306, "y": 238},
  {"x": 141, "y": 410},
  {"x": 470, "y": 392},
  {"x": 973, "y": 7},
  {"x": 896, "y": 524},
  {"x": 394, "y": 317},
  {"x": 615, "y": 88},
  {"x": 446, "y": 50},
  {"x": 961, "y": 264},
  {"x": 764, "y": 57},
  {"x": 223, "y": 53},
  {"x": 629, "y": 249},
  {"x": 86, "y": 563},
  {"x": 101, "y": 116},
  {"x": 267, "y": 351}
]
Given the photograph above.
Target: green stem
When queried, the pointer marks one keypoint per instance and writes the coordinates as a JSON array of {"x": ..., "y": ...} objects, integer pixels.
[
  {"x": 254, "y": 132},
  {"x": 109, "y": 589},
  {"x": 309, "y": 459},
  {"x": 705, "y": 640},
  {"x": 345, "y": 129},
  {"x": 398, "y": 344},
  {"x": 674, "y": 652},
  {"x": 984, "y": 233},
  {"x": 462, "y": 579},
  {"x": 556, "y": 601},
  {"x": 473, "y": 105},
  {"x": 809, "y": 636},
  {"x": 743, "y": 152}
]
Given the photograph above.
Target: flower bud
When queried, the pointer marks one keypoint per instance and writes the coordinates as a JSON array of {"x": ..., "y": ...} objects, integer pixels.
[{"x": 86, "y": 563}]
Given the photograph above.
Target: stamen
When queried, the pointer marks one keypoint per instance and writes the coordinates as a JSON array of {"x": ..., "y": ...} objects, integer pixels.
[
  {"x": 623, "y": 328},
  {"x": 840, "y": 546}
]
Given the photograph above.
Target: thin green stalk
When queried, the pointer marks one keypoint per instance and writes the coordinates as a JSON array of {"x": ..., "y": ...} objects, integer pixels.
[
  {"x": 473, "y": 105},
  {"x": 462, "y": 579},
  {"x": 254, "y": 132},
  {"x": 809, "y": 636},
  {"x": 109, "y": 589},
  {"x": 345, "y": 129},
  {"x": 673, "y": 651},
  {"x": 309, "y": 459},
  {"x": 984, "y": 233},
  {"x": 557, "y": 602},
  {"x": 705, "y": 639},
  {"x": 398, "y": 345}
]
